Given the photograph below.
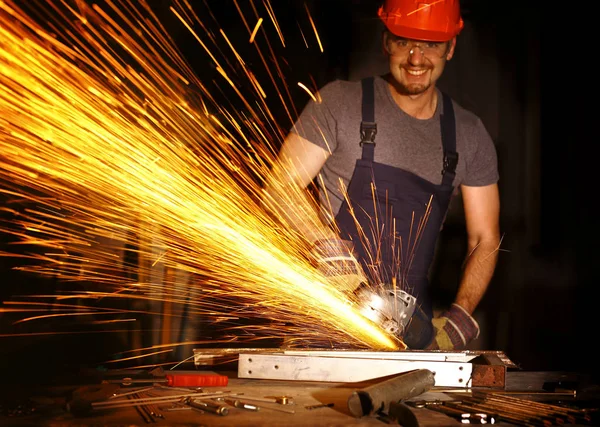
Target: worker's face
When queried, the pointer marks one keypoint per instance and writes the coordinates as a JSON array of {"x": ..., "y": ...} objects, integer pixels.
[{"x": 416, "y": 65}]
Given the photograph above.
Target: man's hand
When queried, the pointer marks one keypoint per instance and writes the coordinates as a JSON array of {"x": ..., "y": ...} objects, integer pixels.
[
  {"x": 336, "y": 260},
  {"x": 454, "y": 329}
]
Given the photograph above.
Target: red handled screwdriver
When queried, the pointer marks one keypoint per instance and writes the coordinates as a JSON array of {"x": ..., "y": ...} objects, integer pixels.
[{"x": 179, "y": 380}]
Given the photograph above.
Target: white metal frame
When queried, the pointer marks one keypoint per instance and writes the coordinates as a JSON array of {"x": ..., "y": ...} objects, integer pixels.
[{"x": 450, "y": 369}]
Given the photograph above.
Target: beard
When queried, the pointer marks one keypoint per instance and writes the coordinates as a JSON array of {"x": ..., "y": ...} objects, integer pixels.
[
  {"x": 412, "y": 88},
  {"x": 397, "y": 79},
  {"x": 405, "y": 88}
]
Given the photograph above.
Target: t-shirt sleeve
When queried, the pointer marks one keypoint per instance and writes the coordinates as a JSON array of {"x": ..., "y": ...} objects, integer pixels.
[
  {"x": 317, "y": 122},
  {"x": 482, "y": 167}
]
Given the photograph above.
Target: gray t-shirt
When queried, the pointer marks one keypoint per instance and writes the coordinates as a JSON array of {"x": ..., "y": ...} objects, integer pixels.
[{"x": 403, "y": 141}]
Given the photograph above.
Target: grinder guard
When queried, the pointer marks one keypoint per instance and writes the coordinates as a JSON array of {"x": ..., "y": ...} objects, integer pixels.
[{"x": 396, "y": 311}]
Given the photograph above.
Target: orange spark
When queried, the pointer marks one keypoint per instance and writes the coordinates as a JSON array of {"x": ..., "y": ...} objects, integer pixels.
[
  {"x": 314, "y": 28},
  {"x": 133, "y": 161},
  {"x": 307, "y": 91},
  {"x": 255, "y": 30}
]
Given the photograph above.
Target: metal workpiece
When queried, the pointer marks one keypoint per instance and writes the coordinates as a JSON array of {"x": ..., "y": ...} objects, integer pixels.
[
  {"x": 336, "y": 366},
  {"x": 391, "y": 309},
  {"x": 378, "y": 397}
]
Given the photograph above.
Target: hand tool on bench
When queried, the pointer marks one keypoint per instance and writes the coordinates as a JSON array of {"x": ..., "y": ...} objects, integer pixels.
[
  {"x": 378, "y": 397},
  {"x": 204, "y": 405},
  {"x": 83, "y": 403},
  {"x": 177, "y": 380}
]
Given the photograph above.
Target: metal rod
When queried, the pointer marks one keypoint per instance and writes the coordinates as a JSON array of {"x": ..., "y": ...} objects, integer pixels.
[
  {"x": 142, "y": 414},
  {"x": 161, "y": 399},
  {"x": 533, "y": 409},
  {"x": 145, "y": 408},
  {"x": 138, "y": 390},
  {"x": 540, "y": 404},
  {"x": 511, "y": 417},
  {"x": 258, "y": 399},
  {"x": 272, "y": 408}
]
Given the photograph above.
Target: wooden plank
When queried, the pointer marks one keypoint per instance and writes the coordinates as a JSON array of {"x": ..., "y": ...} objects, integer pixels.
[{"x": 346, "y": 369}]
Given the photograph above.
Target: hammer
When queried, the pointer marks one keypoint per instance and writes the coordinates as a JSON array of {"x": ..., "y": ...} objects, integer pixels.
[{"x": 378, "y": 397}]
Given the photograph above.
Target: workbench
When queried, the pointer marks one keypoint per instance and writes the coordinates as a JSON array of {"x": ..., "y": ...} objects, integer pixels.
[
  {"x": 302, "y": 393},
  {"x": 47, "y": 406}
]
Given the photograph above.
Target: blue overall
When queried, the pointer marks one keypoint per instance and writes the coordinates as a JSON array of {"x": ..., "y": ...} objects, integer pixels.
[{"x": 389, "y": 203}]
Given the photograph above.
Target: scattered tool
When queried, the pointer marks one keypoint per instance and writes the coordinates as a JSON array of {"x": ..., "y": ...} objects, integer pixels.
[
  {"x": 143, "y": 412},
  {"x": 147, "y": 411},
  {"x": 488, "y": 408},
  {"x": 213, "y": 407},
  {"x": 377, "y": 398},
  {"x": 177, "y": 380},
  {"x": 82, "y": 405},
  {"x": 282, "y": 400},
  {"x": 131, "y": 392},
  {"x": 244, "y": 405}
]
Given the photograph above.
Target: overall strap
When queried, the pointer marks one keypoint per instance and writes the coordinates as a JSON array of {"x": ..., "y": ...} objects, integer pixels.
[
  {"x": 368, "y": 127},
  {"x": 448, "y": 126}
]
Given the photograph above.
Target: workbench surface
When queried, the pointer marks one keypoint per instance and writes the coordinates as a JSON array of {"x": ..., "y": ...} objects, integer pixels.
[
  {"x": 302, "y": 394},
  {"x": 52, "y": 412}
]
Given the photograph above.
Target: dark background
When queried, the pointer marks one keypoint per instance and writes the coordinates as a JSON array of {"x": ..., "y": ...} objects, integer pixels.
[{"x": 539, "y": 306}]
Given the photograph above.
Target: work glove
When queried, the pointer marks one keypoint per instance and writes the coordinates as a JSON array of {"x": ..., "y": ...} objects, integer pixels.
[
  {"x": 336, "y": 260},
  {"x": 454, "y": 329}
]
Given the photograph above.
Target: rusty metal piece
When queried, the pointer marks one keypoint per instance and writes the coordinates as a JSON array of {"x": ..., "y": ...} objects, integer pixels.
[{"x": 489, "y": 376}]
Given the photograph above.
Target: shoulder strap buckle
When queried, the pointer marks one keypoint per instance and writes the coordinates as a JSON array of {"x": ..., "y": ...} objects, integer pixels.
[
  {"x": 450, "y": 162},
  {"x": 368, "y": 130}
]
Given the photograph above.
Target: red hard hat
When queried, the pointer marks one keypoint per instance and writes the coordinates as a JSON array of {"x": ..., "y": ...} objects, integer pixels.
[{"x": 431, "y": 20}]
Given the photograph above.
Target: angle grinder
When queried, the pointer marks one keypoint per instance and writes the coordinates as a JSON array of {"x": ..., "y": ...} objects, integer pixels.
[{"x": 395, "y": 311}]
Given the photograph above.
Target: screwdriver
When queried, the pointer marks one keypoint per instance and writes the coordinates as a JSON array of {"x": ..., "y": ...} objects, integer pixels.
[{"x": 179, "y": 380}]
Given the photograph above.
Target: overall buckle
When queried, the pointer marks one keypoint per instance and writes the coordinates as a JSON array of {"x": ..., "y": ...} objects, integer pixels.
[
  {"x": 450, "y": 162},
  {"x": 367, "y": 133}
]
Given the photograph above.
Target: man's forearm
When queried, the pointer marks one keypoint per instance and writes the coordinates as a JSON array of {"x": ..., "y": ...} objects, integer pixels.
[
  {"x": 295, "y": 207},
  {"x": 477, "y": 273},
  {"x": 285, "y": 190}
]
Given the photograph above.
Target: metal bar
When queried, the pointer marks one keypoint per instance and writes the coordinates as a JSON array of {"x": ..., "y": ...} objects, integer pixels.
[
  {"x": 209, "y": 356},
  {"x": 161, "y": 399},
  {"x": 141, "y": 413},
  {"x": 344, "y": 369}
]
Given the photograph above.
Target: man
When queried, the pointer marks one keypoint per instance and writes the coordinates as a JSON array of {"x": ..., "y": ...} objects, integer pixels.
[{"x": 390, "y": 152}]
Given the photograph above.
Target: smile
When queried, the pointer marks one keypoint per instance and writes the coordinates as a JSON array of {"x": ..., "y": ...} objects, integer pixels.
[{"x": 416, "y": 72}]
